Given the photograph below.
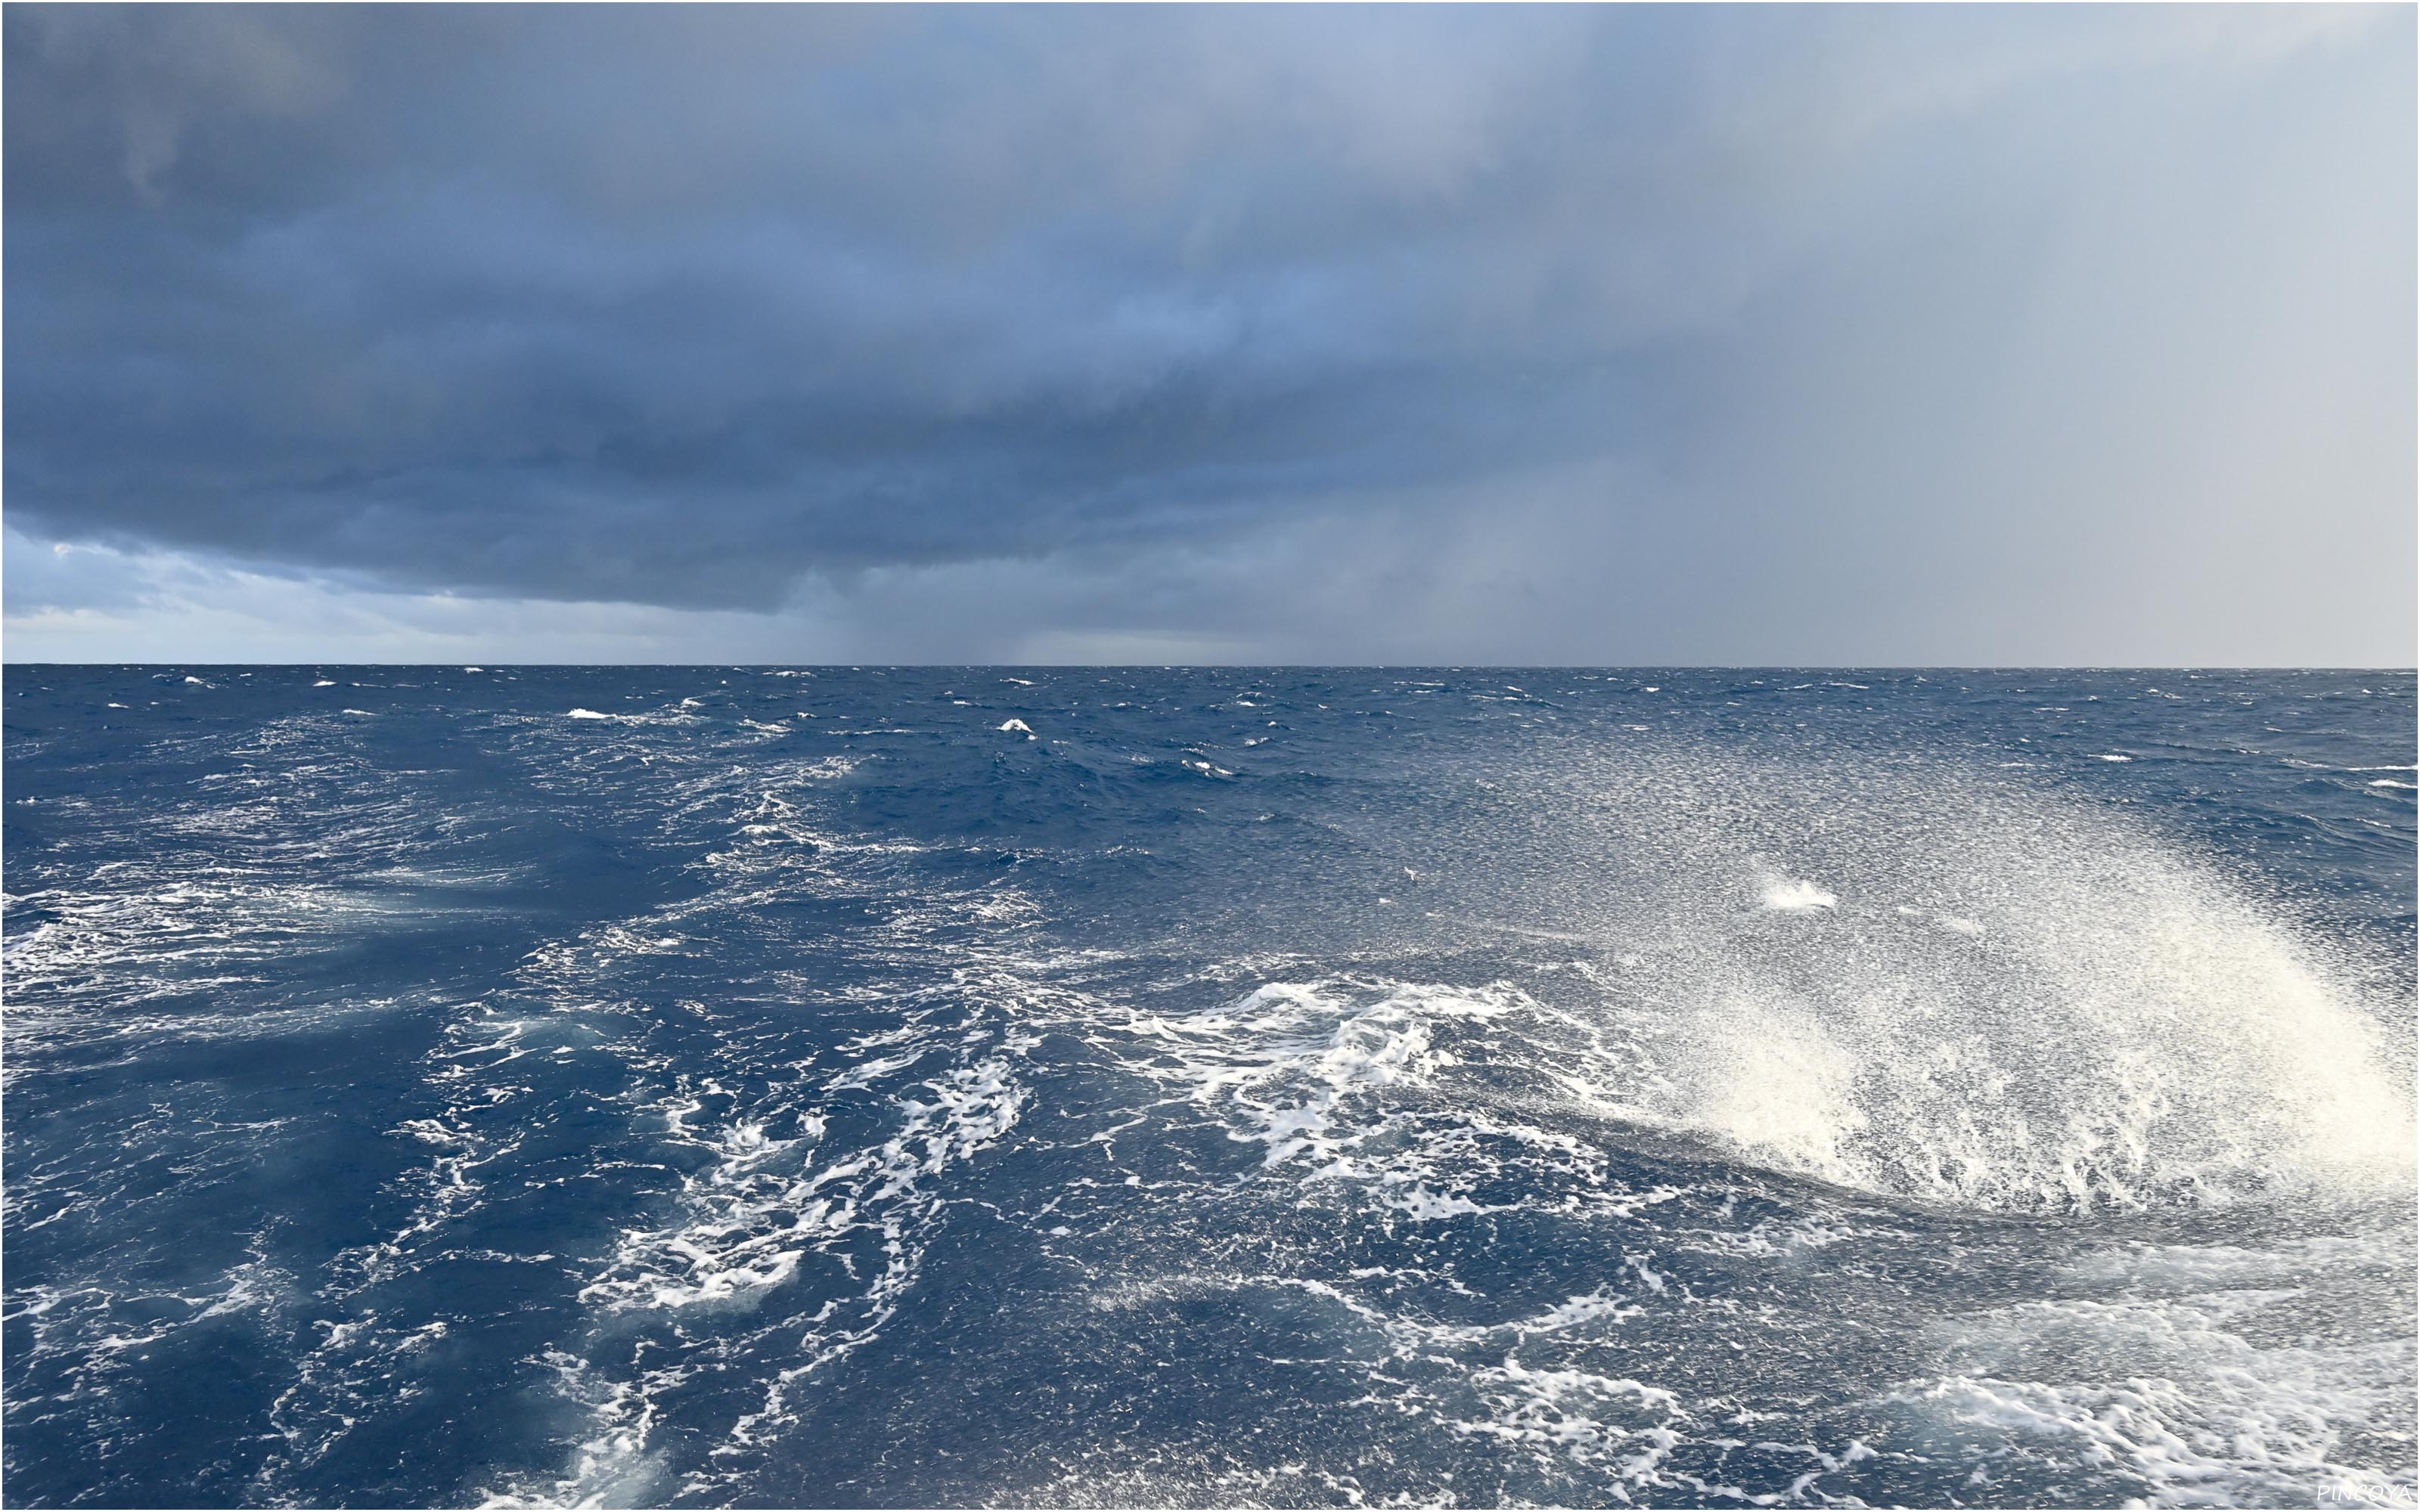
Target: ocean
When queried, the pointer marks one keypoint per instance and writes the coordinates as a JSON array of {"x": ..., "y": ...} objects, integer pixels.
[{"x": 953, "y": 1086}]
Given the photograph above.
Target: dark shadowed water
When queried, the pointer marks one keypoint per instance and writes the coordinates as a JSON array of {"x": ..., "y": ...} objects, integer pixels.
[{"x": 748, "y": 1087}]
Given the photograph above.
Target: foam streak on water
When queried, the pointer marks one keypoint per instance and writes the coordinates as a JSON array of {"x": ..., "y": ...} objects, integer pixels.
[{"x": 741, "y": 1087}]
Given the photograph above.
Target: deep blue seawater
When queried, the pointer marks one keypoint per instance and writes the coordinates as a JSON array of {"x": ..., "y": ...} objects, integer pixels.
[{"x": 949, "y": 1085}]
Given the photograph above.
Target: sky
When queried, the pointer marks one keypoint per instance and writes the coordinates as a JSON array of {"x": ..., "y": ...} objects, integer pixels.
[{"x": 1619, "y": 335}]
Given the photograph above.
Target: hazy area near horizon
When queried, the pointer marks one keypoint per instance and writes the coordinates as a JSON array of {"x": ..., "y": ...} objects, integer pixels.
[
  {"x": 499, "y": 664},
  {"x": 1582, "y": 336}
]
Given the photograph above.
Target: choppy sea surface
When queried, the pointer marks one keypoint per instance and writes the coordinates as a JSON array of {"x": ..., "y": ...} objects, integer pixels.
[{"x": 834, "y": 1087}]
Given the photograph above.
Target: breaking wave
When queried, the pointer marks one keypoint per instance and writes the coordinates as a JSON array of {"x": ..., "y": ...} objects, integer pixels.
[{"x": 1919, "y": 981}]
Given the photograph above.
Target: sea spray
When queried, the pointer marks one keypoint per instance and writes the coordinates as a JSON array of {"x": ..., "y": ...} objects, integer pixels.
[{"x": 1919, "y": 979}]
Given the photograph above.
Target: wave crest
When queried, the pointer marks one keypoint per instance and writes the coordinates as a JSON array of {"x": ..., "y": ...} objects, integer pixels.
[{"x": 2007, "y": 999}]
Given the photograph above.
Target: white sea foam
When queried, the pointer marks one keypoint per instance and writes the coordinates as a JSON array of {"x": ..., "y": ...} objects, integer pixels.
[
  {"x": 1290, "y": 1064},
  {"x": 800, "y": 1241},
  {"x": 2174, "y": 1396},
  {"x": 1785, "y": 896},
  {"x": 1624, "y": 1424}
]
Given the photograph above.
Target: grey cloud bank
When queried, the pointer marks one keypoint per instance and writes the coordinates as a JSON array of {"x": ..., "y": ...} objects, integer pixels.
[{"x": 1625, "y": 334}]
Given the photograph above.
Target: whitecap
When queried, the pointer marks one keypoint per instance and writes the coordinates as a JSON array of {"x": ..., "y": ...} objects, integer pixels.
[{"x": 1785, "y": 895}]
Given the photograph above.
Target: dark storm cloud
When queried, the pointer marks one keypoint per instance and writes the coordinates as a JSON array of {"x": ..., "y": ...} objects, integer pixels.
[
  {"x": 673, "y": 305},
  {"x": 688, "y": 306}
]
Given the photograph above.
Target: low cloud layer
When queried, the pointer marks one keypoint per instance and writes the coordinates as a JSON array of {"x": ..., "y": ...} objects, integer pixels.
[{"x": 1650, "y": 334}]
